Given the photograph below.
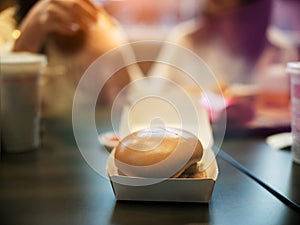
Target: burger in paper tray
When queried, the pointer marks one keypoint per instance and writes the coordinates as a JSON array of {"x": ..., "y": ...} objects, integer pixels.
[{"x": 162, "y": 156}]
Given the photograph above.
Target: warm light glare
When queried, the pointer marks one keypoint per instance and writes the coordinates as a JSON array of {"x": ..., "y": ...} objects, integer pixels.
[{"x": 16, "y": 34}]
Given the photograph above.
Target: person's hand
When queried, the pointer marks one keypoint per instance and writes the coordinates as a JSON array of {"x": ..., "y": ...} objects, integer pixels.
[{"x": 63, "y": 17}]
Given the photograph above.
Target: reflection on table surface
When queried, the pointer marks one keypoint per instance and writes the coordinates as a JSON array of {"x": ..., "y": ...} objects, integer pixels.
[{"x": 54, "y": 185}]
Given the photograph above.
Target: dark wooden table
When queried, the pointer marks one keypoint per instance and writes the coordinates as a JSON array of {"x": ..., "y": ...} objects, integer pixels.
[
  {"x": 54, "y": 185},
  {"x": 273, "y": 167}
]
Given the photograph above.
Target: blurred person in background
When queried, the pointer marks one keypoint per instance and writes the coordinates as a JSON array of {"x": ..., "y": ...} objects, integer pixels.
[
  {"x": 235, "y": 38},
  {"x": 72, "y": 34},
  {"x": 237, "y": 42}
]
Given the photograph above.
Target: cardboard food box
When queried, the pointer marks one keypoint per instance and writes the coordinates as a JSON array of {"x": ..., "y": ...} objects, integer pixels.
[{"x": 168, "y": 189}]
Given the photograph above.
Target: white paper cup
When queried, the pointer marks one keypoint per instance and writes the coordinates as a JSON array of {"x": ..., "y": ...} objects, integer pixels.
[
  {"x": 293, "y": 69},
  {"x": 20, "y": 101}
]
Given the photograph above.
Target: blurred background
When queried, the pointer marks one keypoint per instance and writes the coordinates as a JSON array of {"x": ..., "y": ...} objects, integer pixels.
[
  {"x": 137, "y": 15},
  {"x": 242, "y": 25}
]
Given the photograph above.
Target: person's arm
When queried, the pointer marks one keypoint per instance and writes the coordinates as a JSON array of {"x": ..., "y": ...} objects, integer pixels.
[{"x": 54, "y": 16}]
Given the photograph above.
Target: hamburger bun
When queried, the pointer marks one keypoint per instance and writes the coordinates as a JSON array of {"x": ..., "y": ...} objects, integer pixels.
[{"x": 158, "y": 153}]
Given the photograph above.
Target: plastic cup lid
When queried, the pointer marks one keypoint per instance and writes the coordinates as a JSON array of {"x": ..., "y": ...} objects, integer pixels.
[
  {"x": 17, "y": 63},
  {"x": 293, "y": 67}
]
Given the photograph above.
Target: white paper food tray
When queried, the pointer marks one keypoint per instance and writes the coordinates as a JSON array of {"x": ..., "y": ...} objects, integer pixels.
[{"x": 170, "y": 189}]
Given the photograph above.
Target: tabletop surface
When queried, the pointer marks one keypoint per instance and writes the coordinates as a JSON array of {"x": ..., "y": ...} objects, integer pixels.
[
  {"x": 54, "y": 185},
  {"x": 274, "y": 167}
]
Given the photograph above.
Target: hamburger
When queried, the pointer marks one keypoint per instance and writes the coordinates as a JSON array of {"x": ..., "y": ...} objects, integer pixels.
[{"x": 159, "y": 153}]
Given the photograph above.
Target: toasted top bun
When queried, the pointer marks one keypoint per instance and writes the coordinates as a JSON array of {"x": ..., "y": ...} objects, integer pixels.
[{"x": 157, "y": 153}]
